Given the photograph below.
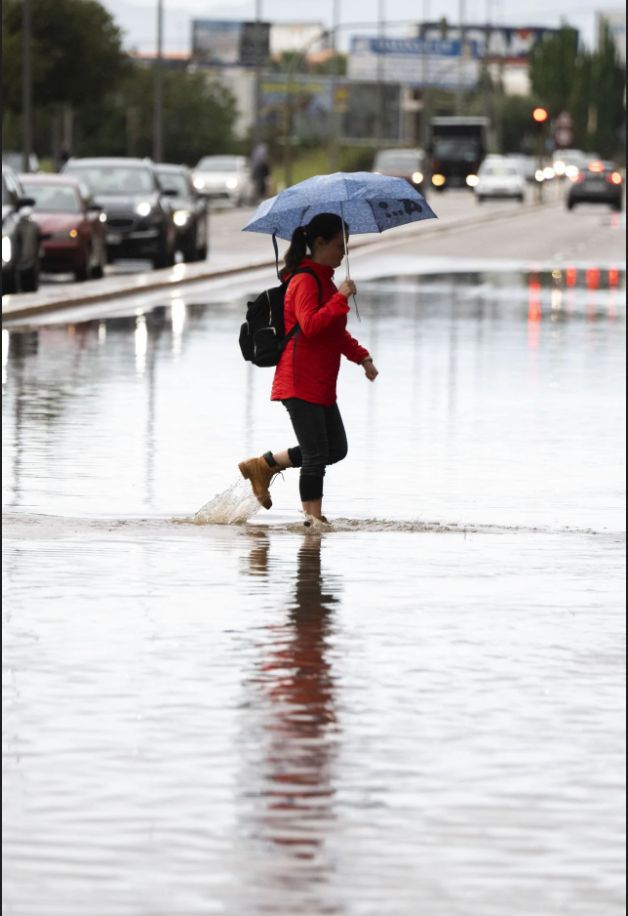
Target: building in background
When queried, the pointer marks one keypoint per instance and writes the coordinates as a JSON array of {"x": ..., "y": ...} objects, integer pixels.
[{"x": 616, "y": 21}]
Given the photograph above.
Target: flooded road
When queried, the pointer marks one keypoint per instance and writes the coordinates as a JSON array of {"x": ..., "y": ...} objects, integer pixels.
[{"x": 420, "y": 712}]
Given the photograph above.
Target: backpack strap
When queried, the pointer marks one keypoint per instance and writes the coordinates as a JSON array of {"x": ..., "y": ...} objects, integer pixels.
[{"x": 294, "y": 330}]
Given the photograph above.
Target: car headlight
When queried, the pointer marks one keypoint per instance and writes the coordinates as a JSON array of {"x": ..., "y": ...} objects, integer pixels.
[
  {"x": 7, "y": 249},
  {"x": 232, "y": 183},
  {"x": 560, "y": 167},
  {"x": 102, "y": 217},
  {"x": 417, "y": 177},
  {"x": 198, "y": 183},
  {"x": 473, "y": 181},
  {"x": 181, "y": 217},
  {"x": 438, "y": 180},
  {"x": 549, "y": 173},
  {"x": 540, "y": 175},
  {"x": 144, "y": 208}
]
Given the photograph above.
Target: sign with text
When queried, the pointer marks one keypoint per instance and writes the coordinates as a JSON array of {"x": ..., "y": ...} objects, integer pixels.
[{"x": 440, "y": 64}]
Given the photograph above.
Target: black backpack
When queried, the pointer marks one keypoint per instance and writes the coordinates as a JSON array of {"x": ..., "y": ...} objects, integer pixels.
[{"x": 263, "y": 335}]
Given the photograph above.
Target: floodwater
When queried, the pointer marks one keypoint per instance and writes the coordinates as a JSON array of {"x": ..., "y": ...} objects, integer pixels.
[{"x": 419, "y": 713}]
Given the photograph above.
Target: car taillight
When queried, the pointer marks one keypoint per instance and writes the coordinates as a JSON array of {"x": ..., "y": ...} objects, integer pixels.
[{"x": 614, "y": 178}]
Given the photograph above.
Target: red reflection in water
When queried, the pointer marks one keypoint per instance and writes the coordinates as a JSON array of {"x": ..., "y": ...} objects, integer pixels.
[
  {"x": 613, "y": 278},
  {"x": 571, "y": 277},
  {"x": 535, "y": 311},
  {"x": 594, "y": 277}
]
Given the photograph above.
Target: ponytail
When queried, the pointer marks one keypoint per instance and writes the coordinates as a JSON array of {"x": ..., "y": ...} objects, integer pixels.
[
  {"x": 324, "y": 226},
  {"x": 297, "y": 250}
]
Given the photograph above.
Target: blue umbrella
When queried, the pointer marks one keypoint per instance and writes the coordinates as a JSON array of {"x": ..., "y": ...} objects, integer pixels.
[{"x": 367, "y": 202}]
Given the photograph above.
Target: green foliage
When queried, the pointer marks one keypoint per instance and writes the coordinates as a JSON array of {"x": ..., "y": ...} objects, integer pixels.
[
  {"x": 76, "y": 52},
  {"x": 588, "y": 85},
  {"x": 198, "y": 118}
]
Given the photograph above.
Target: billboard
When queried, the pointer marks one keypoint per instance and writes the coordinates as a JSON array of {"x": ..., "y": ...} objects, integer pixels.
[
  {"x": 494, "y": 43},
  {"x": 229, "y": 42},
  {"x": 437, "y": 63}
]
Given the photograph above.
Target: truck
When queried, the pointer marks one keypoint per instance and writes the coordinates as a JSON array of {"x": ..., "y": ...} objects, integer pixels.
[{"x": 457, "y": 146}]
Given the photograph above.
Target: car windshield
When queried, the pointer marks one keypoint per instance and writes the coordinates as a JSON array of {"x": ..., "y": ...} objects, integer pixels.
[
  {"x": 498, "y": 170},
  {"x": 457, "y": 149},
  {"x": 57, "y": 198},
  {"x": 114, "y": 179},
  {"x": 175, "y": 181},
  {"x": 220, "y": 164},
  {"x": 396, "y": 160}
]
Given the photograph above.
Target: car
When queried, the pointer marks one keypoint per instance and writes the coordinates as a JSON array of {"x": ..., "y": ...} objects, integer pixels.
[
  {"x": 20, "y": 238},
  {"x": 410, "y": 164},
  {"x": 600, "y": 182},
  {"x": 140, "y": 218},
  {"x": 15, "y": 161},
  {"x": 225, "y": 178},
  {"x": 499, "y": 178},
  {"x": 527, "y": 165},
  {"x": 191, "y": 214},
  {"x": 567, "y": 163},
  {"x": 72, "y": 226}
]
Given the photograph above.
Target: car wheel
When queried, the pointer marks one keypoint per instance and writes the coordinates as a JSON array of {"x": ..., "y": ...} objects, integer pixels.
[
  {"x": 202, "y": 252},
  {"x": 82, "y": 273},
  {"x": 521, "y": 199},
  {"x": 29, "y": 279},
  {"x": 189, "y": 254},
  {"x": 165, "y": 256},
  {"x": 479, "y": 198},
  {"x": 9, "y": 283},
  {"x": 618, "y": 207},
  {"x": 571, "y": 205}
]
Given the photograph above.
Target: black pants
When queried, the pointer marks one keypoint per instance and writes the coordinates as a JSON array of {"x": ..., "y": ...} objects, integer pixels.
[{"x": 322, "y": 441}]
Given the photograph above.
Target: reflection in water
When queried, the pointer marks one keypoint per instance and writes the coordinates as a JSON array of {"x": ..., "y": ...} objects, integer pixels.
[{"x": 293, "y": 701}]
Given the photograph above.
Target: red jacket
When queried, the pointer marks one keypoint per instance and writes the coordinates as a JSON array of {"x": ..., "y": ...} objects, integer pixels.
[{"x": 309, "y": 366}]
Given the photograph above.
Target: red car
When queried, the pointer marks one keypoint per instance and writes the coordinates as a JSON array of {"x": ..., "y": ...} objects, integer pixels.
[{"x": 71, "y": 225}]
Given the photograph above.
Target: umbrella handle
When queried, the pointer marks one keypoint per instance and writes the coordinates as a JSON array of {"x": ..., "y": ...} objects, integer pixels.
[{"x": 347, "y": 265}]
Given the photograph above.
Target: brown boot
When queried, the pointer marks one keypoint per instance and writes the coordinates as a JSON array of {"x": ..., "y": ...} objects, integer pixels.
[{"x": 259, "y": 472}]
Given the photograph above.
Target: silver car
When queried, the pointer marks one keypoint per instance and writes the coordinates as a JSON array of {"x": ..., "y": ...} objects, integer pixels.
[{"x": 225, "y": 178}]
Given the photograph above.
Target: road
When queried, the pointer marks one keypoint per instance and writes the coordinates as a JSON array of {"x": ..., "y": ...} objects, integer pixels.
[{"x": 464, "y": 233}]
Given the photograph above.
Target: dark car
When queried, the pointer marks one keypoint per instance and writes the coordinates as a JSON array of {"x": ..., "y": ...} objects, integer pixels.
[
  {"x": 190, "y": 211},
  {"x": 20, "y": 238},
  {"x": 599, "y": 183},
  {"x": 410, "y": 164},
  {"x": 71, "y": 224},
  {"x": 140, "y": 221}
]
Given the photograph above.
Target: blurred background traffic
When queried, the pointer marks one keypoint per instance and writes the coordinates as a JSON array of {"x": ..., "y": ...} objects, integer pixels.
[{"x": 114, "y": 152}]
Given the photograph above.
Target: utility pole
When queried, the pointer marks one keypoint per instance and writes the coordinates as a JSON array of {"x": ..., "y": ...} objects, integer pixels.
[
  {"x": 257, "y": 100},
  {"x": 334, "y": 122},
  {"x": 426, "y": 90},
  {"x": 158, "y": 118},
  {"x": 27, "y": 87},
  {"x": 462, "y": 16},
  {"x": 381, "y": 97}
]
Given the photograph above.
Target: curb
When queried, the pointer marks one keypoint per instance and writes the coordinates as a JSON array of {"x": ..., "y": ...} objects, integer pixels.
[{"x": 28, "y": 311}]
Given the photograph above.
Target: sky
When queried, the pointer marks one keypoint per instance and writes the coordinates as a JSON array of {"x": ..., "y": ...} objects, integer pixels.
[{"x": 137, "y": 17}]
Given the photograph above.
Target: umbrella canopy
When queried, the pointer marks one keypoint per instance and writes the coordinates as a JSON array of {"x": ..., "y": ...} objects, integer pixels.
[{"x": 366, "y": 201}]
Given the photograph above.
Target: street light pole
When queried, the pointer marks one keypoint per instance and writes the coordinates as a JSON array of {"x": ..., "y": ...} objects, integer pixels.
[
  {"x": 335, "y": 115},
  {"x": 27, "y": 87},
  {"x": 158, "y": 120},
  {"x": 257, "y": 101},
  {"x": 459, "y": 92},
  {"x": 381, "y": 99}
]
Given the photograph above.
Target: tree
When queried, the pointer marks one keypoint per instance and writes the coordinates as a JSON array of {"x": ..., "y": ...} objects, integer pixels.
[
  {"x": 553, "y": 66},
  {"x": 199, "y": 118},
  {"x": 76, "y": 51},
  {"x": 588, "y": 85}
]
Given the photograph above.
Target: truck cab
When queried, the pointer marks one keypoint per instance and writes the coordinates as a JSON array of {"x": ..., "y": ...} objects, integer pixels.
[{"x": 457, "y": 148}]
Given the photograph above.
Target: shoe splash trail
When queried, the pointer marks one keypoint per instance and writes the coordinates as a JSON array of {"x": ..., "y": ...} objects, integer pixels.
[{"x": 235, "y": 506}]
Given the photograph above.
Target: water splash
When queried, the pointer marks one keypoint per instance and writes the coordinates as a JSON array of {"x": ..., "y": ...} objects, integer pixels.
[{"x": 235, "y": 506}]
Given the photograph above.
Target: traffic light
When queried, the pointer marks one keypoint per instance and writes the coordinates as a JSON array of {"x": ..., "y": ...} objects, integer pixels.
[{"x": 540, "y": 116}]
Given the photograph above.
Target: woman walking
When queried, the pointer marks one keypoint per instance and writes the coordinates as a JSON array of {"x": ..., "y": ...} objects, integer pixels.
[{"x": 307, "y": 373}]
